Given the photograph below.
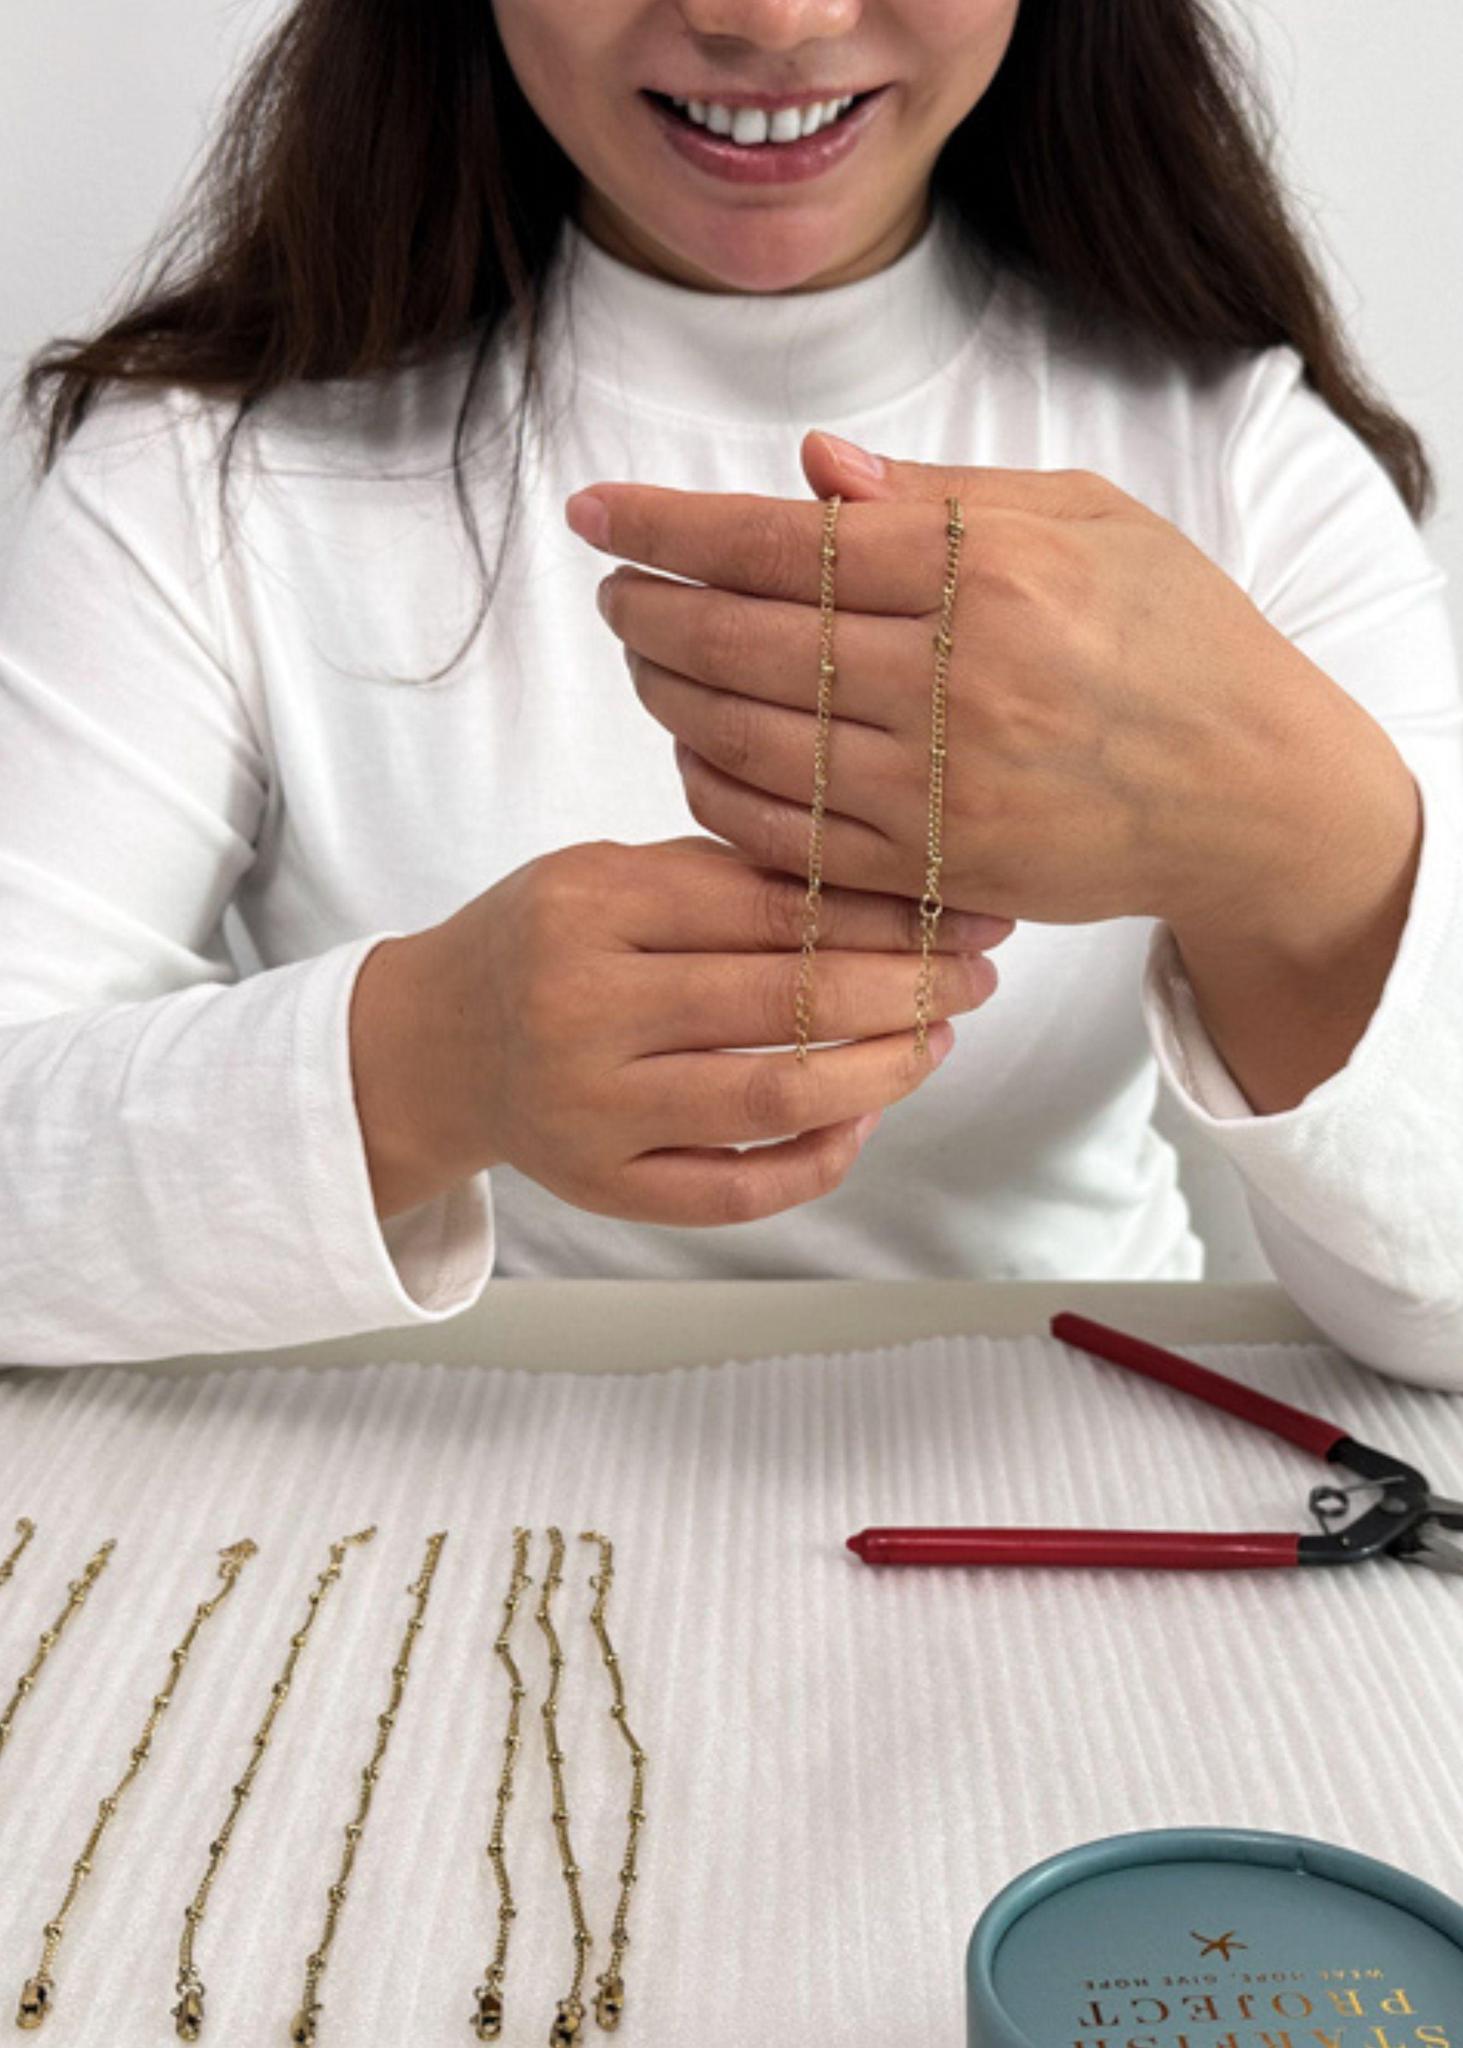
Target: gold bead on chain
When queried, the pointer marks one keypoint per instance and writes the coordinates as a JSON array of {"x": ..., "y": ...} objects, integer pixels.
[
  {"x": 609, "y": 2003},
  {"x": 487, "y": 2018},
  {"x": 803, "y": 1002},
  {"x": 930, "y": 905},
  {"x": 305, "y": 2021},
  {"x": 78, "y": 1590},
  {"x": 569, "y": 2016},
  {"x": 25, "y": 1528},
  {"x": 188, "y": 2012},
  {"x": 37, "y": 2000}
]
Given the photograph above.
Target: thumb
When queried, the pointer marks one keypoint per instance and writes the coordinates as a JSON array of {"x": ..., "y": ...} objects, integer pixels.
[{"x": 831, "y": 464}]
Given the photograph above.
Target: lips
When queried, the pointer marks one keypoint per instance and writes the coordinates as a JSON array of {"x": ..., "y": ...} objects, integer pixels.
[{"x": 769, "y": 162}]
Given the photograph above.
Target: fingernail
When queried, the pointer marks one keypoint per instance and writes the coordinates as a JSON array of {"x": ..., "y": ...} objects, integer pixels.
[
  {"x": 589, "y": 517},
  {"x": 971, "y": 931},
  {"x": 940, "y": 1046},
  {"x": 866, "y": 1123},
  {"x": 602, "y": 594},
  {"x": 852, "y": 457}
]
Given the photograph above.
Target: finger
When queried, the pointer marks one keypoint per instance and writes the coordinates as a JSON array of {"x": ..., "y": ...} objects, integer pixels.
[
  {"x": 771, "y": 747},
  {"x": 769, "y": 649},
  {"x": 683, "y": 1002},
  {"x": 737, "y": 1098},
  {"x": 703, "y": 1188},
  {"x": 749, "y": 908},
  {"x": 775, "y": 832},
  {"x": 890, "y": 554}
]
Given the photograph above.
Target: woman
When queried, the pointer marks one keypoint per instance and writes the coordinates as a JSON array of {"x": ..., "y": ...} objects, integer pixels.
[{"x": 512, "y": 1015}]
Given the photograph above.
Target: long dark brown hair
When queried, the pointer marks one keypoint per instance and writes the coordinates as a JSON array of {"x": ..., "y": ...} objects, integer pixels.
[{"x": 380, "y": 188}]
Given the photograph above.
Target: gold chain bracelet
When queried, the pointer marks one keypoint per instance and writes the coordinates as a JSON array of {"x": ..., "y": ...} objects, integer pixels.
[
  {"x": 78, "y": 1590},
  {"x": 569, "y": 2016},
  {"x": 302, "y": 2027},
  {"x": 487, "y": 2018},
  {"x": 37, "y": 2000},
  {"x": 610, "y": 2002},
  {"x": 25, "y": 1528},
  {"x": 188, "y": 2012},
  {"x": 803, "y": 1001},
  {"x": 930, "y": 904}
]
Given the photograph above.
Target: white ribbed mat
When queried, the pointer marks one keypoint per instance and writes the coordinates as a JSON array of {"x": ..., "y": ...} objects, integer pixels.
[{"x": 844, "y": 1763}]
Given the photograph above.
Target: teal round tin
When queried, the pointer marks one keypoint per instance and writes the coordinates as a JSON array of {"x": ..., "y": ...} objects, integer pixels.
[{"x": 1215, "y": 1938}]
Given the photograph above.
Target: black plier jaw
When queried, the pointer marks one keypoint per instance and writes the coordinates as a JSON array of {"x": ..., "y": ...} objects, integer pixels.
[{"x": 1393, "y": 1527}]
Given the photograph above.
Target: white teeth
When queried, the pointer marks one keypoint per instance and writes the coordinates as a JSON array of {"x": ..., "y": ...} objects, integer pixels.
[{"x": 751, "y": 125}]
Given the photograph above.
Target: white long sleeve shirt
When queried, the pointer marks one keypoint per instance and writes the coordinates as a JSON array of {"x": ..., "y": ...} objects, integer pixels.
[{"x": 183, "y": 728}]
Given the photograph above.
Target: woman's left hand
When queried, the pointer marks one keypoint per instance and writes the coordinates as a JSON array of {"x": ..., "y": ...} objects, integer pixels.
[{"x": 1127, "y": 733}]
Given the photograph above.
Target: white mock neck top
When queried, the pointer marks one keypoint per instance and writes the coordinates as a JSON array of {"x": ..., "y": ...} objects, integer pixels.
[{"x": 212, "y": 807}]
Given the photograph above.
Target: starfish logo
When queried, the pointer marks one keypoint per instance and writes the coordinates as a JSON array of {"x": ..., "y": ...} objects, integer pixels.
[{"x": 1219, "y": 1944}]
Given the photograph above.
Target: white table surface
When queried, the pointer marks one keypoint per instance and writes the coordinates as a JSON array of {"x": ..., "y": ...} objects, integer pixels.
[{"x": 846, "y": 1763}]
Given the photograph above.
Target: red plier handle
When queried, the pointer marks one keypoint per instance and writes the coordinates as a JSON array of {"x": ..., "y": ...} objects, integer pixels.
[
  {"x": 1309, "y": 1431},
  {"x": 1176, "y": 1548}
]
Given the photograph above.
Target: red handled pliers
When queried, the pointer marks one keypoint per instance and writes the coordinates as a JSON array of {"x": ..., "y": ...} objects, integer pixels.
[{"x": 1405, "y": 1521}]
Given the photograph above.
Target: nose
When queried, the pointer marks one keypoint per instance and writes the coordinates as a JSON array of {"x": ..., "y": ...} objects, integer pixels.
[{"x": 770, "y": 24}]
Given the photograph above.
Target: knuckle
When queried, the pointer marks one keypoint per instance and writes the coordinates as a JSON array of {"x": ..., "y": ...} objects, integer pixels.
[
  {"x": 768, "y": 1096},
  {"x": 731, "y": 732},
  {"x": 831, "y": 1161},
  {"x": 744, "y": 1192},
  {"x": 777, "y": 912},
  {"x": 779, "y": 986},
  {"x": 724, "y": 643},
  {"x": 776, "y": 556}
]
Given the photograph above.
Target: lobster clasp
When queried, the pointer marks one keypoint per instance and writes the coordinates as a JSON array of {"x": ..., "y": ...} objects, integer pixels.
[
  {"x": 609, "y": 2004},
  {"x": 35, "y": 2002},
  {"x": 488, "y": 2019},
  {"x": 188, "y": 2013}
]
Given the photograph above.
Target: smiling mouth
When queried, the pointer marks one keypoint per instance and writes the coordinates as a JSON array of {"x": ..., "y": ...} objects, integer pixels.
[{"x": 749, "y": 127}]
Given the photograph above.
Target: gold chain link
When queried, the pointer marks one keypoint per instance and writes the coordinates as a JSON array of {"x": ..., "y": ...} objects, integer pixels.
[
  {"x": 188, "y": 2013},
  {"x": 487, "y": 2018},
  {"x": 609, "y": 2003},
  {"x": 37, "y": 2000},
  {"x": 569, "y": 2015},
  {"x": 25, "y": 1528},
  {"x": 930, "y": 904},
  {"x": 302, "y": 2027},
  {"x": 78, "y": 1590},
  {"x": 803, "y": 1000}
]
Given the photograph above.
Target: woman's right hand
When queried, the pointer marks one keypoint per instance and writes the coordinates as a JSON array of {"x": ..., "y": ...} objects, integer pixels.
[{"x": 576, "y": 1021}]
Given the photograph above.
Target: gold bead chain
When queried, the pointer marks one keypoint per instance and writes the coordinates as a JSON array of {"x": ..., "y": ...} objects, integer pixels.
[
  {"x": 803, "y": 1000},
  {"x": 188, "y": 2013},
  {"x": 487, "y": 2017},
  {"x": 303, "y": 2026},
  {"x": 569, "y": 2016},
  {"x": 78, "y": 1590},
  {"x": 609, "y": 2003},
  {"x": 930, "y": 904},
  {"x": 25, "y": 1528},
  {"x": 37, "y": 2000}
]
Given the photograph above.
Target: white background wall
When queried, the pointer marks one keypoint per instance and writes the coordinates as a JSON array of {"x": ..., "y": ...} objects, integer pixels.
[{"x": 104, "y": 108}]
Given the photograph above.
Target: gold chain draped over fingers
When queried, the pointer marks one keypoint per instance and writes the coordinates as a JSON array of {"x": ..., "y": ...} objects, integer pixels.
[
  {"x": 303, "y": 2026},
  {"x": 487, "y": 2018},
  {"x": 188, "y": 2013},
  {"x": 930, "y": 904},
  {"x": 609, "y": 2004},
  {"x": 37, "y": 2000},
  {"x": 803, "y": 1002}
]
